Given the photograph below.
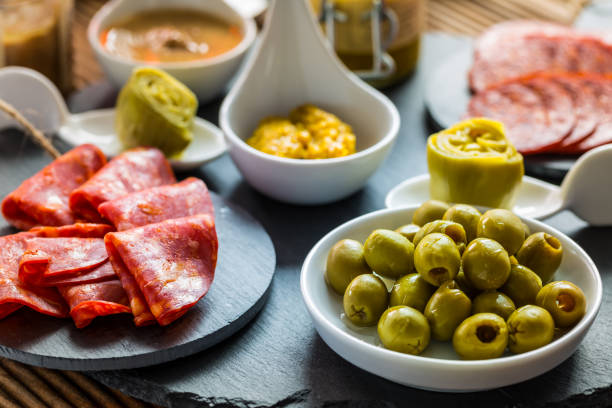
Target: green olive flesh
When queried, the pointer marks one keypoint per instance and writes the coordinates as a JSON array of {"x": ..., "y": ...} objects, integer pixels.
[
  {"x": 437, "y": 258},
  {"x": 429, "y": 211},
  {"x": 446, "y": 309},
  {"x": 522, "y": 285},
  {"x": 404, "y": 329},
  {"x": 542, "y": 253},
  {"x": 529, "y": 327},
  {"x": 504, "y": 227},
  {"x": 365, "y": 300},
  {"x": 345, "y": 261},
  {"x": 411, "y": 290},
  {"x": 564, "y": 301},
  {"x": 493, "y": 302},
  {"x": 467, "y": 216},
  {"x": 486, "y": 264},
  {"x": 481, "y": 336},
  {"x": 389, "y": 253}
]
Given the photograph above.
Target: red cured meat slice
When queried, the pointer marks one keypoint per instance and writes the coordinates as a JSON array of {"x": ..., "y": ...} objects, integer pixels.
[
  {"x": 43, "y": 198},
  {"x": 601, "y": 87},
  {"x": 558, "y": 104},
  {"x": 523, "y": 113},
  {"x": 515, "y": 49},
  {"x": 91, "y": 300},
  {"x": 79, "y": 230},
  {"x": 46, "y": 260},
  {"x": 172, "y": 262},
  {"x": 99, "y": 273},
  {"x": 133, "y": 170},
  {"x": 138, "y": 303},
  {"x": 13, "y": 292},
  {"x": 585, "y": 109},
  {"x": 188, "y": 197}
]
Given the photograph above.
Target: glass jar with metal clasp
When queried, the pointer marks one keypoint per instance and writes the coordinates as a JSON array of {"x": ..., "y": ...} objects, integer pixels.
[{"x": 377, "y": 39}]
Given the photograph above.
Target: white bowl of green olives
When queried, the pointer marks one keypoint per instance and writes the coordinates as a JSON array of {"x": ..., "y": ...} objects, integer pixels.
[{"x": 484, "y": 299}]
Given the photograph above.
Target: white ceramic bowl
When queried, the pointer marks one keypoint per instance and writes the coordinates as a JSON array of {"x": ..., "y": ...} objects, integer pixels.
[
  {"x": 438, "y": 368},
  {"x": 206, "y": 78},
  {"x": 293, "y": 65}
]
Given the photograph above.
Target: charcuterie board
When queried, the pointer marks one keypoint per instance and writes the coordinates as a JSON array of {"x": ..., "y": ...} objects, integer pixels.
[
  {"x": 447, "y": 96},
  {"x": 245, "y": 268}
]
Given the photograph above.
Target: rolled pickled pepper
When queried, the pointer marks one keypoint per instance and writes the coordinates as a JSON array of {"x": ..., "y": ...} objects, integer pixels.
[
  {"x": 473, "y": 162},
  {"x": 155, "y": 109}
]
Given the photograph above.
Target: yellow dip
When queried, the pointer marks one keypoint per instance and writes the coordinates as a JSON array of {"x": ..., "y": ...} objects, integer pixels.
[
  {"x": 309, "y": 133},
  {"x": 170, "y": 35},
  {"x": 473, "y": 162}
]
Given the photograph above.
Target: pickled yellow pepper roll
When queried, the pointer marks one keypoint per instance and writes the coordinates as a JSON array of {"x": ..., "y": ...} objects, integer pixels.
[
  {"x": 473, "y": 162},
  {"x": 155, "y": 109}
]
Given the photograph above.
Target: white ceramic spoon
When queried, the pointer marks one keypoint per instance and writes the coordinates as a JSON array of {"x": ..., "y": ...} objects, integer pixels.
[
  {"x": 40, "y": 102},
  {"x": 586, "y": 190}
]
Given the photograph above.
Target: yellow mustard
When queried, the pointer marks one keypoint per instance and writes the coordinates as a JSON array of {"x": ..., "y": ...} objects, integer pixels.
[
  {"x": 473, "y": 162},
  {"x": 309, "y": 133}
]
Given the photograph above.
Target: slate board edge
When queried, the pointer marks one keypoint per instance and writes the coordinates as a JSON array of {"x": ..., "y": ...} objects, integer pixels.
[
  {"x": 158, "y": 356},
  {"x": 141, "y": 360}
]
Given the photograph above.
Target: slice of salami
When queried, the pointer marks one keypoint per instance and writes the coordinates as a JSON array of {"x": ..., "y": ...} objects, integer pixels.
[
  {"x": 523, "y": 113},
  {"x": 133, "y": 170},
  {"x": 78, "y": 230},
  {"x": 172, "y": 262},
  {"x": 585, "y": 109},
  {"x": 91, "y": 300},
  {"x": 601, "y": 87},
  {"x": 138, "y": 303},
  {"x": 13, "y": 292},
  {"x": 43, "y": 198},
  {"x": 45, "y": 260},
  {"x": 189, "y": 197},
  {"x": 558, "y": 104},
  {"x": 515, "y": 49}
]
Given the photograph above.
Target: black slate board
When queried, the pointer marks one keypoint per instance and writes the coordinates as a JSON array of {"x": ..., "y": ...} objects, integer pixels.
[
  {"x": 447, "y": 96},
  {"x": 245, "y": 268}
]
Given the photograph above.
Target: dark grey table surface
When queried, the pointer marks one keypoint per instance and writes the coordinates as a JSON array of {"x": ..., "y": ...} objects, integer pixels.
[{"x": 279, "y": 360}]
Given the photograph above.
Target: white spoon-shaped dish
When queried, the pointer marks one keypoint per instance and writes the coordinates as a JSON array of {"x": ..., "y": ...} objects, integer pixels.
[
  {"x": 438, "y": 368},
  {"x": 586, "y": 190},
  {"x": 293, "y": 65},
  {"x": 39, "y": 100}
]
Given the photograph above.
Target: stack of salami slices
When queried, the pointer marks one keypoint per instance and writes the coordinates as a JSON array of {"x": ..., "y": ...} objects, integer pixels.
[
  {"x": 550, "y": 85},
  {"x": 106, "y": 238}
]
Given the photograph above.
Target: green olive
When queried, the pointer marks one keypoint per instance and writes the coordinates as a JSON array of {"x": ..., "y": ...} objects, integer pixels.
[
  {"x": 365, "y": 300},
  {"x": 529, "y": 327},
  {"x": 542, "y": 253},
  {"x": 411, "y": 290},
  {"x": 389, "y": 253},
  {"x": 467, "y": 216},
  {"x": 522, "y": 285},
  {"x": 345, "y": 261},
  {"x": 513, "y": 260},
  {"x": 486, "y": 264},
  {"x": 492, "y": 301},
  {"x": 429, "y": 211},
  {"x": 481, "y": 336},
  {"x": 437, "y": 258},
  {"x": 404, "y": 329},
  {"x": 564, "y": 301},
  {"x": 465, "y": 285},
  {"x": 504, "y": 227},
  {"x": 408, "y": 230},
  {"x": 446, "y": 309},
  {"x": 450, "y": 228}
]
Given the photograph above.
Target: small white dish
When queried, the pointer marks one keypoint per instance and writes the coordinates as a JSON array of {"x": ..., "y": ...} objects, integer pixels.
[
  {"x": 39, "y": 100},
  {"x": 585, "y": 191},
  {"x": 207, "y": 78},
  {"x": 293, "y": 65},
  {"x": 439, "y": 368}
]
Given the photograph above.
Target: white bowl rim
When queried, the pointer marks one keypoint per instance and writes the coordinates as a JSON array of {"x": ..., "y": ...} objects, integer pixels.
[
  {"x": 241, "y": 144},
  {"x": 513, "y": 360},
  {"x": 95, "y": 25}
]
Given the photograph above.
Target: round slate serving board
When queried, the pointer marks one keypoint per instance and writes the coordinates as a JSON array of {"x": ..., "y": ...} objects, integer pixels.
[
  {"x": 245, "y": 268},
  {"x": 447, "y": 96}
]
